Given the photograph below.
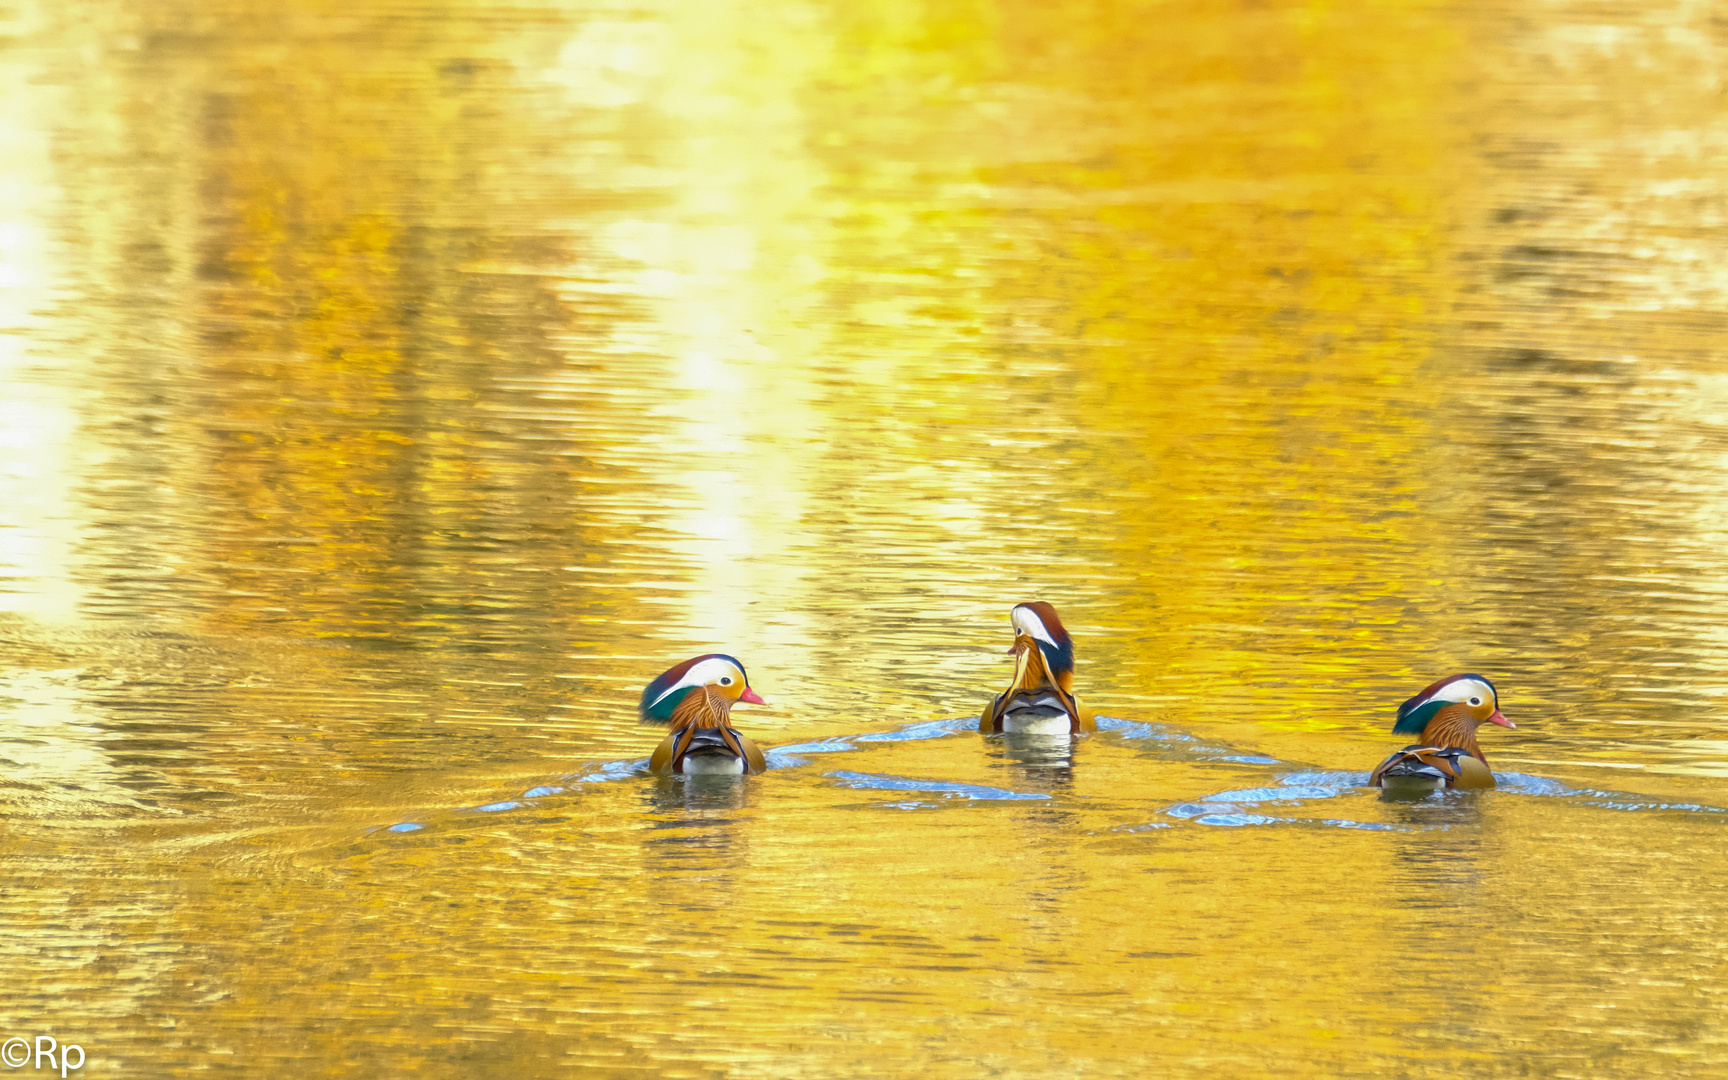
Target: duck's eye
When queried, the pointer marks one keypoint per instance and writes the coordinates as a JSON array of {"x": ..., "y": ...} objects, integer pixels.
[
  {"x": 1475, "y": 701},
  {"x": 727, "y": 681}
]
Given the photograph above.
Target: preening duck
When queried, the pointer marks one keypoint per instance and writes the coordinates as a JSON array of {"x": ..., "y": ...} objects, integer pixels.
[
  {"x": 1445, "y": 717},
  {"x": 695, "y": 698},
  {"x": 1040, "y": 700}
]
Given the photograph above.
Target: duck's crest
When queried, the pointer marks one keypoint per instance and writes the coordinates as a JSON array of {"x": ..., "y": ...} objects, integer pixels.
[{"x": 665, "y": 692}]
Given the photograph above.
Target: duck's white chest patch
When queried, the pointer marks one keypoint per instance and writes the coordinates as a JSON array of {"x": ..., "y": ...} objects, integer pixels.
[
  {"x": 713, "y": 765},
  {"x": 1036, "y": 725},
  {"x": 1411, "y": 785}
]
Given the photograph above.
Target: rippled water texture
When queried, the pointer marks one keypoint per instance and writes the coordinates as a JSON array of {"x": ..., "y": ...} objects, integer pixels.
[{"x": 389, "y": 390}]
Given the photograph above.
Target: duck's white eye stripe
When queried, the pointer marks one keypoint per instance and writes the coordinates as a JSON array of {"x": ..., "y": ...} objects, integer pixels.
[
  {"x": 1026, "y": 622},
  {"x": 709, "y": 670},
  {"x": 1465, "y": 690}
]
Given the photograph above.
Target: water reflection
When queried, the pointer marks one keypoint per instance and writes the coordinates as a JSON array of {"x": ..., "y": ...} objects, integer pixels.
[
  {"x": 1042, "y": 762},
  {"x": 677, "y": 802},
  {"x": 1448, "y": 810}
]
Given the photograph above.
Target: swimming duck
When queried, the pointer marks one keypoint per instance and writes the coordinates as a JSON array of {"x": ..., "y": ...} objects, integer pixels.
[
  {"x": 1040, "y": 700},
  {"x": 1445, "y": 717},
  {"x": 696, "y": 699}
]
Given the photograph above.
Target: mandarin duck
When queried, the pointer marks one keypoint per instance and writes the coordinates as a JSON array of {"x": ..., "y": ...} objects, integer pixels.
[
  {"x": 1445, "y": 717},
  {"x": 1040, "y": 700},
  {"x": 695, "y": 698}
]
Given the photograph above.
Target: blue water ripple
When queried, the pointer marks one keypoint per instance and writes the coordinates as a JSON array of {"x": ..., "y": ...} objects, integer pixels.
[
  {"x": 928, "y": 729},
  {"x": 1203, "y": 814},
  {"x": 1237, "y": 821},
  {"x": 1512, "y": 783},
  {"x": 1542, "y": 786},
  {"x": 1616, "y": 804},
  {"x": 1179, "y": 743},
  {"x": 612, "y": 770},
  {"x": 787, "y": 757},
  {"x": 1273, "y": 794},
  {"x": 835, "y": 745},
  {"x": 1525, "y": 784},
  {"x": 948, "y": 788},
  {"x": 1338, "y": 780}
]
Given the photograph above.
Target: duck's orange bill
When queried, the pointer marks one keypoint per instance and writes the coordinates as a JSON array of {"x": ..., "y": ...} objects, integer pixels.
[
  {"x": 753, "y": 698},
  {"x": 1495, "y": 719}
]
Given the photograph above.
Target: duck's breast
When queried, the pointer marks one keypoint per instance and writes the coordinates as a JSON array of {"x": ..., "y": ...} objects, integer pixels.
[
  {"x": 712, "y": 765},
  {"x": 1473, "y": 774},
  {"x": 1023, "y": 724},
  {"x": 1407, "y": 787}
]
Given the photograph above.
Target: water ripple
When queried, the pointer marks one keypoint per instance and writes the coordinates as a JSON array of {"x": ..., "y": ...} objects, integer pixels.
[
  {"x": 1274, "y": 794},
  {"x": 1201, "y": 814},
  {"x": 1179, "y": 745},
  {"x": 1298, "y": 788},
  {"x": 1227, "y": 809},
  {"x": 1541, "y": 786},
  {"x": 947, "y": 788},
  {"x": 786, "y": 757}
]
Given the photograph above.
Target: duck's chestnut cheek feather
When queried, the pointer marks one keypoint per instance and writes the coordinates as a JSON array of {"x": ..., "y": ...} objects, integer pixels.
[
  {"x": 1501, "y": 720},
  {"x": 753, "y": 698}
]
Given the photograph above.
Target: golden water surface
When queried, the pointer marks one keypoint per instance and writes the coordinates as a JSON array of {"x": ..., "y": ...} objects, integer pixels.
[{"x": 389, "y": 389}]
